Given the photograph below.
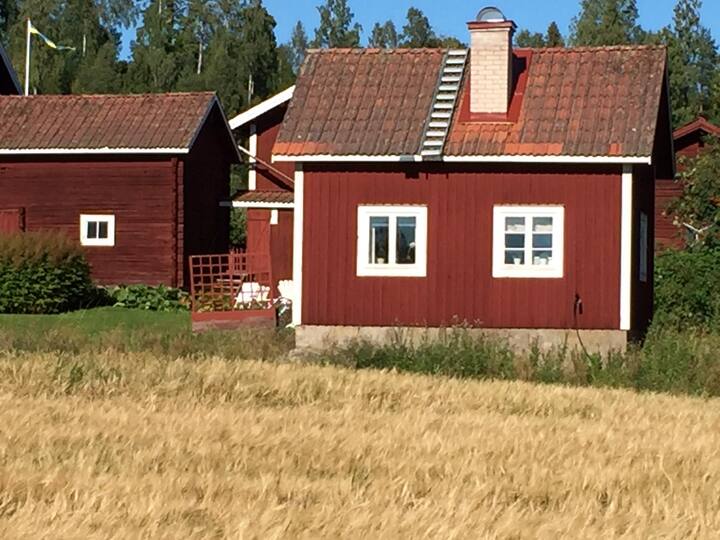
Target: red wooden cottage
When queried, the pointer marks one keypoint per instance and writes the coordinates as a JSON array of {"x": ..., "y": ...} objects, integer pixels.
[
  {"x": 509, "y": 190},
  {"x": 269, "y": 197},
  {"x": 690, "y": 140},
  {"x": 9, "y": 84},
  {"x": 136, "y": 179}
]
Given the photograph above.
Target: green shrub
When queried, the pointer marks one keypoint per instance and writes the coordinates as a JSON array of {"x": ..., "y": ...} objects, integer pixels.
[
  {"x": 158, "y": 298},
  {"x": 42, "y": 273},
  {"x": 687, "y": 289}
]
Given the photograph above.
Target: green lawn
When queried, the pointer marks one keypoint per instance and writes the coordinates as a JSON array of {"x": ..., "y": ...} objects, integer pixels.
[{"x": 133, "y": 330}]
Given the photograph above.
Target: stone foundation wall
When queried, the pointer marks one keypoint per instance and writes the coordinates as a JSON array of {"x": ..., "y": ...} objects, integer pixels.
[{"x": 318, "y": 338}]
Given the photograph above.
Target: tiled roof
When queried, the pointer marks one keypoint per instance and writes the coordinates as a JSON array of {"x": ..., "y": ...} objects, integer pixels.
[
  {"x": 102, "y": 122},
  {"x": 282, "y": 197},
  {"x": 577, "y": 102},
  {"x": 360, "y": 101},
  {"x": 699, "y": 124}
]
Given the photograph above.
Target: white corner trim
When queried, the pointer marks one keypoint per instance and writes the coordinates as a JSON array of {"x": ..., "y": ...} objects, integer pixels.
[
  {"x": 320, "y": 158},
  {"x": 258, "y": 205},
  {"x": 274, "y": 216},
  {"x": 252, "y": 173},
  {"x": 261, "y": 108},
  {"x": 298, "y": 245},
  {"x": 626, "y": 236},
  {"x": 90, "y": 151}
]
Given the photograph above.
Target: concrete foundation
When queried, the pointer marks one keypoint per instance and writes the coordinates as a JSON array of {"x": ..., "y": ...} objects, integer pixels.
[{"x": 318, "y": 338}]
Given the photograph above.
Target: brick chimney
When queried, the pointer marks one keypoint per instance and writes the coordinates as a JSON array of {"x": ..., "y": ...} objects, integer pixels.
[{"x": 490, "y": 62}]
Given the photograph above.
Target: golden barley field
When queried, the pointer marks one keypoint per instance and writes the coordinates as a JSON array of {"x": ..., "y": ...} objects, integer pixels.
[{"x": 135, "y": 446}]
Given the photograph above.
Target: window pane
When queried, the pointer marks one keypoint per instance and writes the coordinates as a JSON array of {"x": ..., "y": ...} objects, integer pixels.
[
  {"x": 406, "y": 240},
  {"x": 379, "y": 240},
  {"x": 516, "y": 241},
  {"x": 515, "y": 224},
  {"x": 92, "y": 229},
  {"x": 103, "y": 230},
  {"x": 542, "y": 224},
  {"x": 542, "y": 257},
  {"x": 514, "y": 257},
  {"x": 542, "y": 241}
]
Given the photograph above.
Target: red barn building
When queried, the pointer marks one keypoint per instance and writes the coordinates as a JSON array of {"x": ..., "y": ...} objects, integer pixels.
[
  {"x": 136, "y": 179},
  {"x": 509, "y": 190},
  {"x": 9, "y": 84},
  {"x": 690, "y": 141}
]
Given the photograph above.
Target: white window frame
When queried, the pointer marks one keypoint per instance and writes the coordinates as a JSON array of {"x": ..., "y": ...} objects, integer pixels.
[
  {"x": 392, "y": 269},
  {"x": 528, "y": 270},
  {"x": 85, "y": 219}
]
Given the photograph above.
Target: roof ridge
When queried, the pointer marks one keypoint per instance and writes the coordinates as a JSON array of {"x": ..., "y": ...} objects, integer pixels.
[
  {"x": 114, "y": 96},
  {"x": 376, "y": 50},
  {"x": 595, "y": 48}
]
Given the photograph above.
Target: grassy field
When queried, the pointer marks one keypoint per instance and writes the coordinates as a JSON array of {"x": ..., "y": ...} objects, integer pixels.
[{"x": 132, "y": 445}]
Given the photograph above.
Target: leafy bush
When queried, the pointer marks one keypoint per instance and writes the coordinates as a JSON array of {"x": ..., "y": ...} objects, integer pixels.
[
  {"x": 687, "y": 289},
  {"x": 159, "y": 298},
  {"x": 42, "y": 273}
]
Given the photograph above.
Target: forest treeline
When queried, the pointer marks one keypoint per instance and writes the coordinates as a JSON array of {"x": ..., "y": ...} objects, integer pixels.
[{"x": 230, "y": 46}]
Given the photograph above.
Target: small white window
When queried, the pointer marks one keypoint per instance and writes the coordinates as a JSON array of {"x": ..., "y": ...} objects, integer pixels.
[
  {"x": 97, "y": 230},
  {"x": 392, "y": 241},
  {"x": 528, "y": 241},
  {"x": 643, "y": 247}
]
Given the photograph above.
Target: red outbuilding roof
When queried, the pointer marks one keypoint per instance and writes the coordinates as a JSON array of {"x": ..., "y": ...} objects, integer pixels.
[
  {"x": 700, "y": 124},
  {"x": 163, "y": 123},
  {"x": 280, "y": 197},
  {"x": 601, "y": 101}
]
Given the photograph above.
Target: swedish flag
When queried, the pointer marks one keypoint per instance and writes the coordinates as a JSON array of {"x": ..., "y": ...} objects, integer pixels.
[{"x": 50, "y": 43}]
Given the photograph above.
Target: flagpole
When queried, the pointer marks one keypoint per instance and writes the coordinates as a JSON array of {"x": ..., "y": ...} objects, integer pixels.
[{"x": 27, "y": 60}]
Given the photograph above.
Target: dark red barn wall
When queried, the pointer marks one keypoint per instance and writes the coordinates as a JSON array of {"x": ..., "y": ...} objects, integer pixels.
[
  {"x": 642, "y": 292},
  {"x": 277, "y": 240},
  {"x": 205, "y": 224},
  {"x": 459, "y": 285},
  {"x": 267, "y": 129},
  {"x": 140, "y": 194}
]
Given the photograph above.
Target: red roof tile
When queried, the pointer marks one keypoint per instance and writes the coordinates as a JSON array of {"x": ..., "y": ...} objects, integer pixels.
[
  {"x": 282, "y": 197},
  {"x": 138, "y": 122},
  {"x": 577, "y": 102},
  {"x": 699, "y": 124},
  {"x": 360, "y": 101}
]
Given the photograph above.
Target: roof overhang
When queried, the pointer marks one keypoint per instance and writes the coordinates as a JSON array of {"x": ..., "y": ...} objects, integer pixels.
[
  {"x": 258, "y": 205},
  {"x": 262, "y": 108},
  {"x": 91, "y": 151},
  {"x": 608, "y": 160},
  {"x": 5, "y": 59},
  {"x": 699, "y": 124}
]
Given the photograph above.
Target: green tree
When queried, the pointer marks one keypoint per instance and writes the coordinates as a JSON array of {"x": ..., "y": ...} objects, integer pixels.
[
  {"x": 692, "y": 59},
  {"x": 298, "y": 47},
  {"x": 417, "y": 31},
  {"x": 606, "y": 22},
  {"x": 525, "y": 38},
  {"x": 8, "y": 17},
  {"x": 155, "y": 62},
  {"x": 699, "y": 205},
  {"x": 384, "y": 36},
  {"x": 553, "y": 36},
  {"x": 336, "y": 27}
]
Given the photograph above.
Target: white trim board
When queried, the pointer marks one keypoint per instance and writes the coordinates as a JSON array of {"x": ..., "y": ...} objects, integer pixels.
[
  {"x": 298, "y": 245},
  {"x": 626, "y": 237},
  {"x": 465, "y": 159},
  {"x": 252, "y": 170},
  {"x": 260, "y": 109},
  {"x": 90, "y": 151},
  {"x": 610, "y": 160},
  {"x": 263, "y": 205}
]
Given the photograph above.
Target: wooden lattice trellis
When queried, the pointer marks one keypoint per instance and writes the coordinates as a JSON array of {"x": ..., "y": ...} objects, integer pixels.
[{"x": 231, "y": 281}]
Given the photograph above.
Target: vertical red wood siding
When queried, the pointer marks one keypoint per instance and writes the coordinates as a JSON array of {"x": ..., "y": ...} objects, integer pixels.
[
  {"x": 277, "y": 240},
  {"x": 138, "y": 193},
  {"x": 459, "y": 285},
  {"x": 268, "y": 127},
  {"x": 205, "y": 224}
]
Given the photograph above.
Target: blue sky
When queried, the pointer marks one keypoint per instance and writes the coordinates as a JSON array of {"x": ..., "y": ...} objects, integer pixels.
[{"x": 448, "y": 17}]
